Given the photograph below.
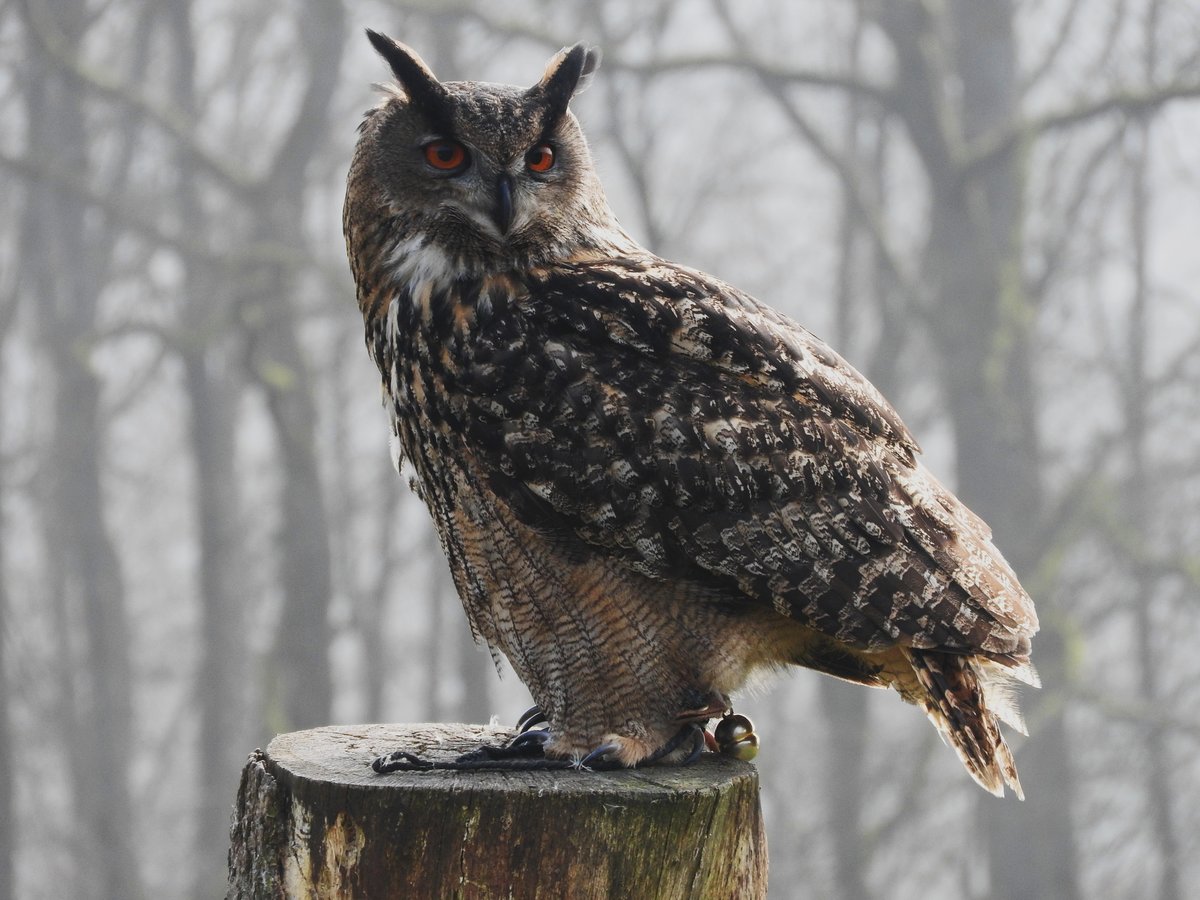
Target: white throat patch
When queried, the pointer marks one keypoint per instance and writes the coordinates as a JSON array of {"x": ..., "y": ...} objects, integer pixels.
[{"x": 414, "y": 264}]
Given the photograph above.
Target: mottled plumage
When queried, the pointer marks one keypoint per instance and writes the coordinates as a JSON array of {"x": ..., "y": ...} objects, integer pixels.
[{"x": 648, "y": 484}]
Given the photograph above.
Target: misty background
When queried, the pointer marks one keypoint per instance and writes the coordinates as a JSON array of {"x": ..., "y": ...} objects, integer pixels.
[{"x": 991, "y": 207}]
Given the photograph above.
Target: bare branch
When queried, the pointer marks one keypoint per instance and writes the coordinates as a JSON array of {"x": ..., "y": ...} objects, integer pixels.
[
  {"x": 123, "y": 211},
  {"x": 934, "y": 126},
  {"x": 1055, "y": 245},
  {"x": 1117, "y": 11},
  {"x": 1062, "y": 31},
  {"x": 844, "y": 168},
  {"x": 324, "y": 25},
  {"x": 1138, "y": 711},
  {"x": 761, "y": 69},
  {"x": 107, "y": 84},
  {"x": 1130, "y": 103},
  {"x": 740, "y": 59}
]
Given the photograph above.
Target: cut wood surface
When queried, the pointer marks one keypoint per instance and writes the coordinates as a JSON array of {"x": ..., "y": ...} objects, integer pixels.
[{"x": 313, "y": 820}]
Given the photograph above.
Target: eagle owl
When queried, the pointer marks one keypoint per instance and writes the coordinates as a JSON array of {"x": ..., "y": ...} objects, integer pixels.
[{"x": 648, "y": 484}]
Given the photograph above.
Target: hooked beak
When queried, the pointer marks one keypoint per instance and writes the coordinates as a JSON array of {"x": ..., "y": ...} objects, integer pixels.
[{"x": 502, "y": 212}]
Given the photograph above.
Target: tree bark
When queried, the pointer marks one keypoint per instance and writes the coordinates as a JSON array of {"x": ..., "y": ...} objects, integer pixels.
[{"x": 313, "y": 820}]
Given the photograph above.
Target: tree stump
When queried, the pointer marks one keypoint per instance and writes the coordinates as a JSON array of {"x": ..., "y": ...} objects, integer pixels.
[{"x": 312, "y": 820}]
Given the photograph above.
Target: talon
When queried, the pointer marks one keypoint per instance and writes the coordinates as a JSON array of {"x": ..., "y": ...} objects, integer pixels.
[
  {"x": 693, "y": 731},
  {"x": 698, "y": 744},
  {"x": 530, "y": 743},
  {"x": 596, "y": 756},
  {"x": 735, "y": 737},
  {"x": 530, "y": 718},
  {"x": 525, "y": 746}
]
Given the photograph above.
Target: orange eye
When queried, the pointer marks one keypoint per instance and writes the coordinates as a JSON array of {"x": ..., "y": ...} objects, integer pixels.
[
  {"x": 446, "y": 156},
  {"x": 540, "y": 158}
]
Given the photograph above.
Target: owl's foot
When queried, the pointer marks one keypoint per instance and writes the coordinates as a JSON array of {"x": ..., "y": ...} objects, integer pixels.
[
  {"x": 619, "y": 751},
  {"x": 527, "y": 752},
  {"x": 526, "y": 744},
  {"x": 733, "y": 736},
  {"x": 683, "y": 749}
]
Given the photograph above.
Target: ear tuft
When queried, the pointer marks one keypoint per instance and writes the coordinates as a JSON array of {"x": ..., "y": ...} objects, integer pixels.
[
  {"x": 567, "y": 73},
  {"x": 591, "y": 62},
  {"x": 419, "y": 83}
]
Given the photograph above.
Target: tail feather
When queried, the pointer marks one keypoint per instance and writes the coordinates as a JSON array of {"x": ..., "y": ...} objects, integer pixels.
[
  {"x": 998, "y": 683},
  {"x": 965, "y": 697}
]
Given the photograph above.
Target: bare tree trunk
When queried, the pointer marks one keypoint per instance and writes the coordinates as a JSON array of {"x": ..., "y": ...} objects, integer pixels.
[
  {"x": 8, "y": 830},
  {"x": 476, "y": 671},
  {"x": 1140, "y": 500},
  {"x": 220, "y": 681},
  {"x": 438, "y": 608},
  {"x": 208, "y": 382},
  {"x": 984, "y": 330},
  {"x": 1138, "y": 503},
  {"x": 845, "y": 708},
  {"x": 302, "y": 642},
  {"x": 65, "y": 275},
  {"x": 845, "y": 705},
  {"x": 376, "y": 597}
]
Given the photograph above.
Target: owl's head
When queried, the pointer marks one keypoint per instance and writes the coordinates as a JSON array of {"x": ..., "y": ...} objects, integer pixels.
[{"x": 475, "y": 176}]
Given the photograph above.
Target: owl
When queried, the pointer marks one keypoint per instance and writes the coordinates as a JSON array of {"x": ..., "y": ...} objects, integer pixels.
[{"x": 649, "y": 486}]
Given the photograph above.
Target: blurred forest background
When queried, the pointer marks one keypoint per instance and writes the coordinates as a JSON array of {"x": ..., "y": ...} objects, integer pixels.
[{"x": 991, "y": 207}]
